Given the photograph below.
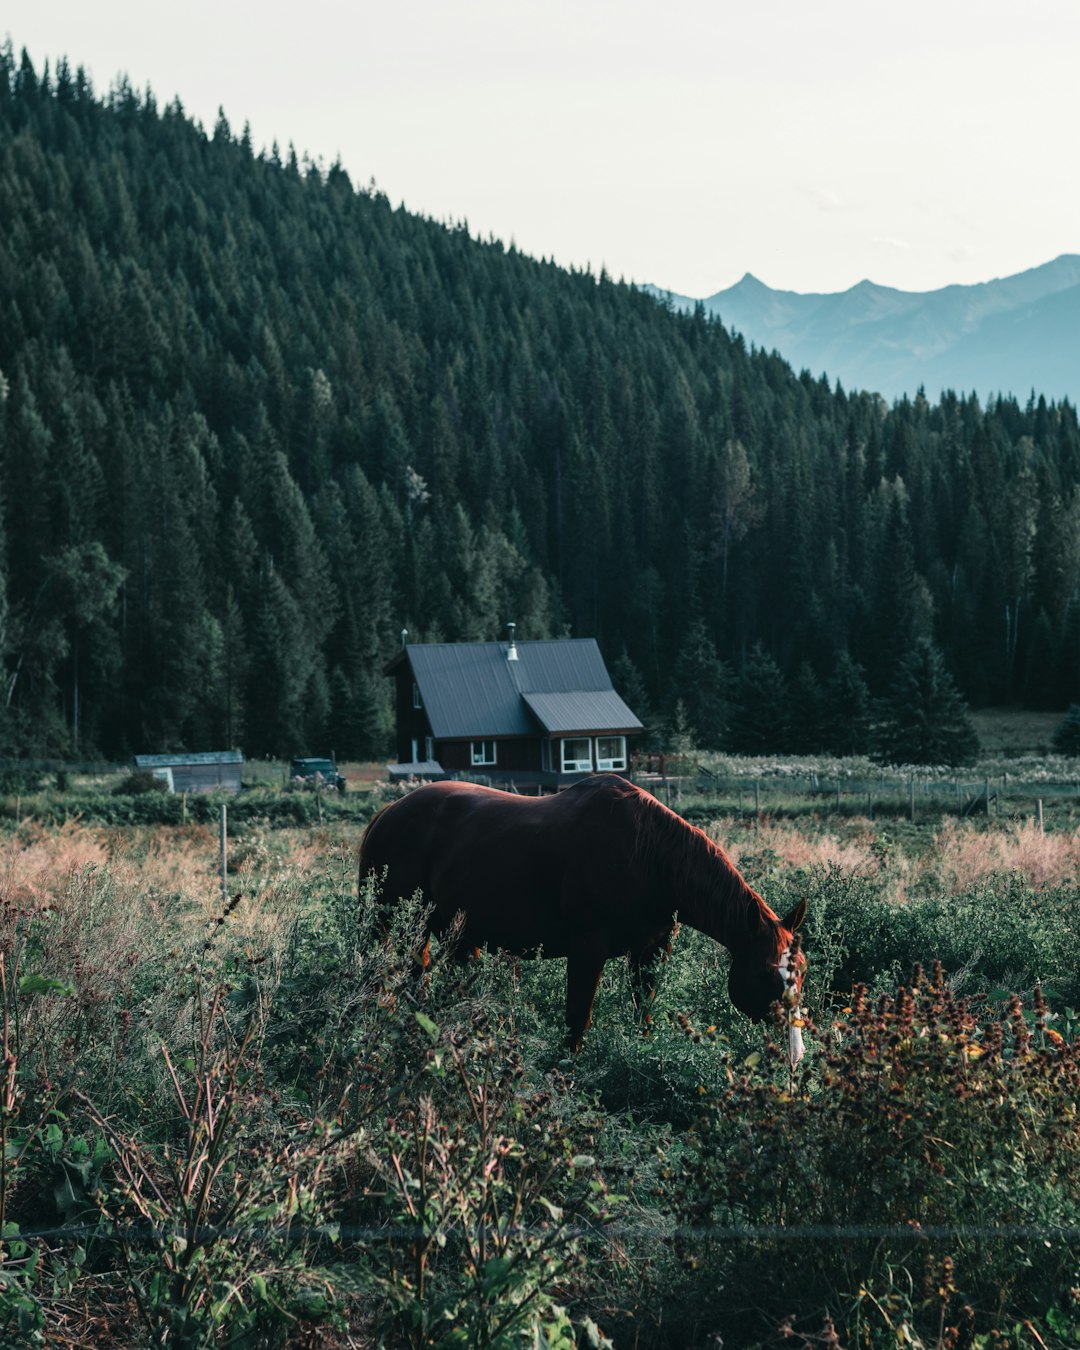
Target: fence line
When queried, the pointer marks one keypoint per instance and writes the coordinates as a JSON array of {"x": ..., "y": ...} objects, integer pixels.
[{"x": 963, "y": 796}]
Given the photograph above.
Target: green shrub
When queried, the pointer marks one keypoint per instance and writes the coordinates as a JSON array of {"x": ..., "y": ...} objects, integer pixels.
[{"x": 927, "y": 1162}]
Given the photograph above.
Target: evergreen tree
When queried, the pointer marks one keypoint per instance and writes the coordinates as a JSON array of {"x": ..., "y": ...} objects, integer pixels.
[
  {"x": 760, "y": 720},
  {"x": 702, "y": 683},
  {"x": 807, "y": 710},
  {"x": 847, "y": 717},
  {"x": 924, "y": 718},
  {"x": 630, "y": 686}
]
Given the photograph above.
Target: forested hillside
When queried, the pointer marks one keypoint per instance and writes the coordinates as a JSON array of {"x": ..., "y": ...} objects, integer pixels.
[{"x": 255, "y": 421}]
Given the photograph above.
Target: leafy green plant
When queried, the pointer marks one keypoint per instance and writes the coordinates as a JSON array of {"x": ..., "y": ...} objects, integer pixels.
[
  {"x": 21, "y": 1315},
  {"x": 487, "y": 1208},
  {"x": 220, "y": 1227},
  {"x": 919, "y": 1133}
]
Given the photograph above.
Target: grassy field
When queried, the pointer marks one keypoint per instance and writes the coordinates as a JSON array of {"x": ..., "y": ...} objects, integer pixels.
[{"x": 249, "y": 1124}]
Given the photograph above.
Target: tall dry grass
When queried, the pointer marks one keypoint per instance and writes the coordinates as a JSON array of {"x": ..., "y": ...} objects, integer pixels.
[
  {"x": 129, "y": 918},
  {"x": 959, "y": 854}
]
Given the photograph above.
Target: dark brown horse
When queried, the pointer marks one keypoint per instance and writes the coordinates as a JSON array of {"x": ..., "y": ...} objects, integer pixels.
[{"x": 599, "y": 870}]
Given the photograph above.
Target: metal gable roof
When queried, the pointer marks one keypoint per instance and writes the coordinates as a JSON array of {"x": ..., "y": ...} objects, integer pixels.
[
  {"x": 470, "y": 689},
  {"x": 583, "y": 710}
]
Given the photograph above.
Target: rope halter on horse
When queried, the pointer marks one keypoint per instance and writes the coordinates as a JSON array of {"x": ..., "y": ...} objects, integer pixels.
[{"x": 792, "y": 966}]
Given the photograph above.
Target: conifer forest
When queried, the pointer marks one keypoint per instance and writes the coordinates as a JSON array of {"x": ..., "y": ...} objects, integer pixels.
[{"x": 254, "y": 422}]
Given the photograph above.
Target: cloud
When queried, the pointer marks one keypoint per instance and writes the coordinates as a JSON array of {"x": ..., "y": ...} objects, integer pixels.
[{"x": 891, "y": 241}]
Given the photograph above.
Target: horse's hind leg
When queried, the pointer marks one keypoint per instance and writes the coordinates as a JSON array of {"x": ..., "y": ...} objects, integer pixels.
[{"x": 583, "y": 969}]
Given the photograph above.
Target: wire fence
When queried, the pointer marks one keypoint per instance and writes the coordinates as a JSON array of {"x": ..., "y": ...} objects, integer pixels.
[{"x": 882, "y": 794}]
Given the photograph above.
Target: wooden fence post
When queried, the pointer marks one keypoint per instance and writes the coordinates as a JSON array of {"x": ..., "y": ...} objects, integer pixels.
[{"x": 224, "y": 856}]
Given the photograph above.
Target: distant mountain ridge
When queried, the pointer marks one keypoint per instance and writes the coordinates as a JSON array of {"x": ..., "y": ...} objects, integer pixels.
[{"x": 1011, "y": 335}]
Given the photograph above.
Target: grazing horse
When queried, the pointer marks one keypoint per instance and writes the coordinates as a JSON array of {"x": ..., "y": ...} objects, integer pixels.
[{"x": 598, "y": 870}]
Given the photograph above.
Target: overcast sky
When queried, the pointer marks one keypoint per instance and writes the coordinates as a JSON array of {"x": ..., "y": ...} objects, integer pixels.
[{"x": 679, "y": 142}]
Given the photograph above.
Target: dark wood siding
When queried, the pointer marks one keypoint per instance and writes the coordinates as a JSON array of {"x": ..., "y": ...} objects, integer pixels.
[
  {"x": 517, "y": 754},
  {"x": 412, "y": 723}
]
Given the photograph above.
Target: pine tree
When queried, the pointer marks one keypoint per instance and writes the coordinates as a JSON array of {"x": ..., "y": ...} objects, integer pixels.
[
  {"x": 760, "y": 720},
  {"x": 847, "y": 709},
  {"x": 702, "y": 683},
  {"x": 806, "y": 712},
  {"x": 630, "y": 686},
  {"x": 924, "y": 718}
]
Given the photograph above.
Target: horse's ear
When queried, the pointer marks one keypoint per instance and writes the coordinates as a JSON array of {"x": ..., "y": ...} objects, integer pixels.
[{"x": 794, "y": 919}]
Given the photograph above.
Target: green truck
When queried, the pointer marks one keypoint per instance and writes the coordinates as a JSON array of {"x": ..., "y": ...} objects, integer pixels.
[{"x": 312, "y": 774}]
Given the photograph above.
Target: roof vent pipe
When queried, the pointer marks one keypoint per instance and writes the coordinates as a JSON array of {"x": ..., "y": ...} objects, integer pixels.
[
  {"x": 511, "y": 651},
  {"x": 404, "y": 635}
]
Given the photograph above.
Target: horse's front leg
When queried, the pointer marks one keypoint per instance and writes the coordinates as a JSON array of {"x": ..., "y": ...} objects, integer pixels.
[
  {"x": 583, "y": 969},
  {"x": 645, "y": 976}
]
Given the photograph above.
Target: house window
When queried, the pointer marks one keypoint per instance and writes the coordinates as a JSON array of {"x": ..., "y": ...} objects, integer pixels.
[
  {"x": 429, "y": 748},
  {"x": 416, "y": 700},
  {"x": 611, "y": 752},
  {"x": 483, "y": 752},
  {"x": 577, "y": 755}
]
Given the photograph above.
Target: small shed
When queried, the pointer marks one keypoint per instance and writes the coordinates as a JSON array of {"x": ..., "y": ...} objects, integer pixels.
[
  {"x": 532, "y": 714},
  {"x": 205, "y": 771}
]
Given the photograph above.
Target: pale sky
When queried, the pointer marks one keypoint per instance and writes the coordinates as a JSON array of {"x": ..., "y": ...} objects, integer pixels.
[{"x": 679, "y": 142}]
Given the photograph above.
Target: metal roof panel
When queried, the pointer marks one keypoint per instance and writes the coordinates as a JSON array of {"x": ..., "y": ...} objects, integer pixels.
[
  {"x": 582, "y": 710},
  {"x": 182, "y": 757},
  {"x": 470, "y": 689}
]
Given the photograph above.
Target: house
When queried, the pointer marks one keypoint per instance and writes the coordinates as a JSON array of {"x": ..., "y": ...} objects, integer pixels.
[
  {"x": 531, "y": 714},
  {"x": 207, "y": 771}
]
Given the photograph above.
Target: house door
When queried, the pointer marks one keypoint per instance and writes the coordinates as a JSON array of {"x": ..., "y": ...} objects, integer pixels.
[{"x": 415, "y": 751}]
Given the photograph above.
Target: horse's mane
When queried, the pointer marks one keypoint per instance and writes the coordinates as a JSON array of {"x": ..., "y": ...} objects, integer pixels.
[{"x": 696, "y": 866}]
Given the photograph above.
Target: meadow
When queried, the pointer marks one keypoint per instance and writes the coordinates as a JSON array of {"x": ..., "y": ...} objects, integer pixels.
[{"x": 246, "y": 1122}]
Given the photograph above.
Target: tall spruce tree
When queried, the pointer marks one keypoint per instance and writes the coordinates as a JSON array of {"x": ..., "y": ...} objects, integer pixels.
[
  {"x": 924, "y": 717},
  {"x": 760, "y": 720},
  {"x": 848, "y": 711}
]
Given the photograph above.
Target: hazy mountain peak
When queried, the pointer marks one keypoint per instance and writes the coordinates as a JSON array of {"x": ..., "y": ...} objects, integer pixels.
[{"x": 1007, "y": 335}]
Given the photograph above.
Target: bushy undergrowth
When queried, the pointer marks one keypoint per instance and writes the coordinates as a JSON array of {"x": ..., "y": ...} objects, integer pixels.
[
  {"x": 918, "y": 1186},
  {"x": 258, "y": 1123},
  {"x": 132, "y": 803}
]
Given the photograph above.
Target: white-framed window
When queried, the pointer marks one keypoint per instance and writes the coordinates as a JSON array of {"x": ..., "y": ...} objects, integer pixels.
[
  {"x": 417, "y": 702},
  {"x": 577, "y": 755},
  {"x": 483, "y": 752},
  {"x": 611, "y": 752}
]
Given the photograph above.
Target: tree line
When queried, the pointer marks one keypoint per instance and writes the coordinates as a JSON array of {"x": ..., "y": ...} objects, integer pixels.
[{"x": 254, "y": 421}]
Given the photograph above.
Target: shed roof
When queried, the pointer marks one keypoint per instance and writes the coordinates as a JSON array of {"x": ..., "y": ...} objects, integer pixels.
[
  {"x": 470, "y": 689},
  {"x": 185, "y": 757}
]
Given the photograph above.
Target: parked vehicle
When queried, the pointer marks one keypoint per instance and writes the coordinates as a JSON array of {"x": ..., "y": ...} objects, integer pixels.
[{"x": 310, "y": 775}]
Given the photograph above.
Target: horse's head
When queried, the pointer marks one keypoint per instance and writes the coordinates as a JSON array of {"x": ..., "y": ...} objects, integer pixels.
[{"x": 768, "y": 970}]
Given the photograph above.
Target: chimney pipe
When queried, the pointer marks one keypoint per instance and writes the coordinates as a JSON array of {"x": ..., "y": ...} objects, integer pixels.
[{"x": 511, "y": 651}]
